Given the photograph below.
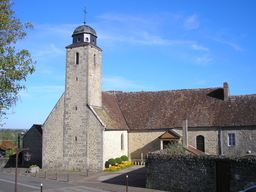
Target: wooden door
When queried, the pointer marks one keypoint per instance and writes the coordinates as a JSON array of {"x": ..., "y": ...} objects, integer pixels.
[
  {"x": 200, "y": 143},
  {"x": 223, "y": 176}
]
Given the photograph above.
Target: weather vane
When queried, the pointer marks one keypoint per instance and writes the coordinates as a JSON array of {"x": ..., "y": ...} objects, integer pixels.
[{"x": 85, "y": 14}]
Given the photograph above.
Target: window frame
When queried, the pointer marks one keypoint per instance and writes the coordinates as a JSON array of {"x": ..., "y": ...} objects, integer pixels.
[{"x": 231, "y": 139}]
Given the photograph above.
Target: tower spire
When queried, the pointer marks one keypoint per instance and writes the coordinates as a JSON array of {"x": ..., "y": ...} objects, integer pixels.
[{"x": 85, "y": 14}]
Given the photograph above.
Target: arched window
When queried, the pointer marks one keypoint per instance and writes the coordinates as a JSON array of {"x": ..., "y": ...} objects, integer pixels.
[
  {"x": 122, "y": 141},
  {"x": 77, "y": 58},
  {"x": 87, "y": 39},
  {"x": 200, "y": 143}
]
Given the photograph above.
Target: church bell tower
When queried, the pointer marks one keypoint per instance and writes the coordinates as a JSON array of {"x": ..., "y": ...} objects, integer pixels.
[{"x": 82, "y": 91}]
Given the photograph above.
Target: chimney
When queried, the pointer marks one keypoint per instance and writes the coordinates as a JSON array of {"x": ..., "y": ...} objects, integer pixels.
[
  {"x": 185, "y": 133},
  {"x": 226, "y": 91}
]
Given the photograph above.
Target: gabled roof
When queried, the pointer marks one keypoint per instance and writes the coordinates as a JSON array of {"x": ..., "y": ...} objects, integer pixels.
[
  {"x": 172, "y": 135},
  {"x": 166, "y": 109}
]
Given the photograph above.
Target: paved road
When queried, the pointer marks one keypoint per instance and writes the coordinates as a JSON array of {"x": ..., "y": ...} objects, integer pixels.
[{"x": 78, "y": 181}]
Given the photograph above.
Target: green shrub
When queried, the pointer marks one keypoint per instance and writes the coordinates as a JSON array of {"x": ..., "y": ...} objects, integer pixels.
[
  {"x": 111, "y": 161},
  {"x": 176, "y": 148},
  {"x": 6, "y": 155},
  {"x": 118, "y": 160},
  {"x": 124, "y": 158}
]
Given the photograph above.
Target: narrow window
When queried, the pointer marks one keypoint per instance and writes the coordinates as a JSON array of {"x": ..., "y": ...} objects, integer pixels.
[
  {"x": 76, "y": 78},
  {"x": 77, "y": 58},
  {"x": 200, "y": 143},
  {"x": 122, "y": 141},
  {"x": 87, "y": 39},
  {"x": 75, "y": 138},
  {"x": 75, "y": 107},
  {"x": 231, "y": 139},
  {"x": 94, "y": 59}
]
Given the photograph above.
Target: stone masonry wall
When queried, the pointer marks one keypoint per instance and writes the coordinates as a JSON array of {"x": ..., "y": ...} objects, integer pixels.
[
  {"x": 94, "y": 78},
  {"x": 197, "y": 173},
  {"x": 112, "y": 144},
  {"x": 210, "y": 138},
  {"x": 143, "y": 142},
  {"x": 245, "y": 139},
  {"x": 82, "y": 133},
  {"x": 95, "y": 144},
  {"x": 52, "y": 148},
  {"x": 33, "y": 140},
  {"x": 76, "y": 110}
]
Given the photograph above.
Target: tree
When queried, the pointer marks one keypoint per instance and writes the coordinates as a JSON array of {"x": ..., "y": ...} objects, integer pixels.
[
  {"x": 8, "y": 147},
  {"x": 15, "y": 65}
]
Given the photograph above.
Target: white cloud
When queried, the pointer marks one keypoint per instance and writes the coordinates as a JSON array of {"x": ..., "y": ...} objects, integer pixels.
[
  {"x": 236, "y": 47},
  {"x": 203, "y": 60},
  {"x": 191, "y": 22},
  {"x": 199, "y": 47}
]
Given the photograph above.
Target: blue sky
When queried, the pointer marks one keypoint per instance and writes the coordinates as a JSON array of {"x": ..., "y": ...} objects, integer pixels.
[{"x": 147, "y": 45}]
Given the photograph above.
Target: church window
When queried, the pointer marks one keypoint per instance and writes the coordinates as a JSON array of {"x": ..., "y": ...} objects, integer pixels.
[
  {"x": 77, "y": 58},
  {"x": 122, "y": 141},
  {"x": 93, "y": 41},
  {"x": 78, "y": 40},
  {"x": 94, "y": 60},
  {"x": 231, "y": 139},
  {"x": 75, "y": 138},
  {"x": 87, "y": 39},
  {"x": 75, "y": 107},
  {"x": 76, "y": 78},
  {"x": 200, "y": 143}
]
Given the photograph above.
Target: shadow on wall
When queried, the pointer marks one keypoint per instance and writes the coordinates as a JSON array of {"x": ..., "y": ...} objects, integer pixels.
[
  {"x": 136, "y": 178},
  {"x": 150, "y": 147}
]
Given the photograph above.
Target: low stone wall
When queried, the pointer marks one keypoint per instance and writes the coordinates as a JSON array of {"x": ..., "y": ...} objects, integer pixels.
[
  {"x": 3, "y": 162},
  {"x": 197, "y": 173}
]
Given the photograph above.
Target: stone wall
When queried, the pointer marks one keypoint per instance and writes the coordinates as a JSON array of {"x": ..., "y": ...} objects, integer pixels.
[
  {"x": 112, "y": 144},
  {"x": 143, "y": 142},
  {"x": 95, "y": 144},
  {"x": 33, "y": 141},
  {"x": 53, "y": 138},
  {"x": 245, "y": 139},
  {"x": 4, "y": 162},
  {"x": 210, "y": 138},
  {"x": 94, "y": 77},
  {"x": 82, "y": 132},
  {"x": 197, "y": 173}
]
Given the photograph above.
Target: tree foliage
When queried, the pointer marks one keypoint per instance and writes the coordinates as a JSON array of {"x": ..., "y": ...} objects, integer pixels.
[
  {"x": 8, "y": 147},
  {"x": 15, "y": 65}
]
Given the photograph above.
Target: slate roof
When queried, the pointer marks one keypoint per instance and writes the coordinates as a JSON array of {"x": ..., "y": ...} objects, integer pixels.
[{"x": 166, "y": 109}]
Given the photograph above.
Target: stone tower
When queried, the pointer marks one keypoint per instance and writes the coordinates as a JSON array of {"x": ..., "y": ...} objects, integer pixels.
[{"x": 82, "y": 134}]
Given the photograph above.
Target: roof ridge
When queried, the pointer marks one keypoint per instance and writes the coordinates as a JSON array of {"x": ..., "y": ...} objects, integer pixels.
[{"x": 114, "y": 91}]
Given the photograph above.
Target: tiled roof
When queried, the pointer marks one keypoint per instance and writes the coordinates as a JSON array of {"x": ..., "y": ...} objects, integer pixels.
[
  {"x": 195, "y": 151},
  {"x": 166, "y": 109},
  {"x": 111, "y": 114}
]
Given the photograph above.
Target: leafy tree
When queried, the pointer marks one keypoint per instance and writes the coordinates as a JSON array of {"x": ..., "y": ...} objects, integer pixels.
[
  {"x": 8, "y": 147},
  {"x": 15, "y": 65}
]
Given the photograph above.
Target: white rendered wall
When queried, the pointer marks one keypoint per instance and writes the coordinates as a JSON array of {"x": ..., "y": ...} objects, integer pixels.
[{"x": 112, "y": 144}]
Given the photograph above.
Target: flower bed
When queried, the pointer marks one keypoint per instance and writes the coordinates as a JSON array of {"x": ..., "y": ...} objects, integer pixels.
[{"x": 119, "y": 166}]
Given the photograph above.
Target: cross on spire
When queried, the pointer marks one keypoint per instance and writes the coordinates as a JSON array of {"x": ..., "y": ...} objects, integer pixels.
[{"x": 85, "y": 14}]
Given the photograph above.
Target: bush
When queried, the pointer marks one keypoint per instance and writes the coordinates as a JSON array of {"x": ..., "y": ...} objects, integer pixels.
[
  {"x": 119, "y": 160},
  {"x": 111, "y": 161},
  {"x": 176, "y": 148},
  {"x": 124, "y": 158},
  {"x": 6, "y": 155}
]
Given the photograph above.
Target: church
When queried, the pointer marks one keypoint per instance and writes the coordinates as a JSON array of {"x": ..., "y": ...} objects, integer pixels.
[{"x": 88, "y": 126}]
